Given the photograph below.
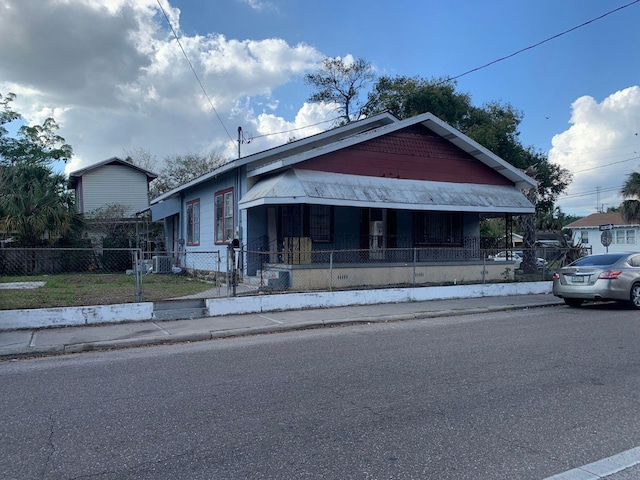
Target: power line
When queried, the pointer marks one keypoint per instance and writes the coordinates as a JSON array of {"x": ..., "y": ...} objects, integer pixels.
[
  {"x": 591, "y": 192},
  {"x": 607, "y": 165},
  {"x": 194, "y": 70},
  {"x": 447, "y": 80},
  {"x": 543, "y": 41},
  {"x": 293, "y": 129},
  {"x": 500, "y": 59}
]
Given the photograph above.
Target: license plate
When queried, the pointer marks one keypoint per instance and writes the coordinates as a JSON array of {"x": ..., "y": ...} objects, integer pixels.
[{"x": 577, "y": 279}]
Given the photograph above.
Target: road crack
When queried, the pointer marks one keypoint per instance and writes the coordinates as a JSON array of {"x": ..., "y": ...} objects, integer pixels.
[{"x": 51, "y": 446}]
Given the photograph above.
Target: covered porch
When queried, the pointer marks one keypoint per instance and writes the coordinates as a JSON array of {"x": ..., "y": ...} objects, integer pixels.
[{"x": 309, "y": 229}]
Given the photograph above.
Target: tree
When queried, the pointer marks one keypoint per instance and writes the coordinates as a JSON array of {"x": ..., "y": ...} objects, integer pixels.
[
  {"x": 407, "y": 97},
  {"x": 180, "y": 169},
  {"x": 630, "y": 207},
  {"x": 142, "y": 158},
  {"x": 554, "y": 220},
  {"x": 340, "y": 81},
  {"x": 495, "y": 126},
  {"x": 34, "y": 201},
  {"x": 177, "y": 169},
  {"x": 529, "y": 226}
]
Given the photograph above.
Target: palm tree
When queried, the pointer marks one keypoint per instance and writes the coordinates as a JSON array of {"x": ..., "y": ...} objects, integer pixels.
[
  {"x": 34, "y": 203},
  {"x": 630, "y": 208}
]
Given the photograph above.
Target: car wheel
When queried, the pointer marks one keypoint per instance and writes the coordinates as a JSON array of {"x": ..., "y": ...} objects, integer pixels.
[
  {"x": 634, "y": 297},
  {"x": 576, "y": 302}
]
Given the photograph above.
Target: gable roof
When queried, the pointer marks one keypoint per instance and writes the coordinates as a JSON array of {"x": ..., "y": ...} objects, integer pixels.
[
  {"x": 285, "y": 156},
  {"x": 77, "y": 174},
  {"x": 288, "y": 149},
  {"x": 596, "y": 219},
  {"x": 428, "y": 120}
]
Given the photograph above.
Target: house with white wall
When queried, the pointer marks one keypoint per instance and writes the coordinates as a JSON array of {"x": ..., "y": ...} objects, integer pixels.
[
  {"x": 112, "y": 181},
  {"x": 374, "y": 188},
  {"x": 625, "y": 235}
]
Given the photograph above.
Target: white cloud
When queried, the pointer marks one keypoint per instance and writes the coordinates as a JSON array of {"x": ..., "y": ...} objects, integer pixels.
[
  {"x": 266, "y": 130},
  {"x": 115, "y": 78},
  {"x": 260, "y": 5},
  {"x": 601, "y": 148}
]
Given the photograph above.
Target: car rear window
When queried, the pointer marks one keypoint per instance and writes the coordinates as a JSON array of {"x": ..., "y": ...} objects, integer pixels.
[{"x": 594, "y": 260}]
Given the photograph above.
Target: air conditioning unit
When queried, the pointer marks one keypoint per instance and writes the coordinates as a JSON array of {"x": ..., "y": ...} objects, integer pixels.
[{"x": 161, "y": 264}]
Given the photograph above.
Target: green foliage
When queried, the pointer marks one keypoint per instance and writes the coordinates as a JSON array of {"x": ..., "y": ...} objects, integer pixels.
[
  {"x": 180, "y": 169},
  {"x": 35, "y": 145},
  {"x": 630, "y": 210},
  {"x": 554, "y": 220},
  {"x": 111, "y": 222},
  {"x": 341, "y": 82},
  {"x": 407, "y": 97},
  {"x": 495, "y": 126},
  {"x": 630, "y": 207},
  {"x": 492, "y": 227},
  {"x": 34, "y": 202},
  {"x": 177, "y": 170}
]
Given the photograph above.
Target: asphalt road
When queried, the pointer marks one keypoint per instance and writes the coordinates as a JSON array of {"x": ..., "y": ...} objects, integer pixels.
[{"x": 514, "y": 395}]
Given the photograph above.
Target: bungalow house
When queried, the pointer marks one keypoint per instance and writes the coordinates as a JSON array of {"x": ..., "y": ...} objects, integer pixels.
[
  {"x": 625, "y": 235},
  {"x": 387, "y": 194}
]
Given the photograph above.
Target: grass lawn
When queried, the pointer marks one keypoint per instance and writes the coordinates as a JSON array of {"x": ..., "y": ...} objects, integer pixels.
[{"x": 95, "y": 289}]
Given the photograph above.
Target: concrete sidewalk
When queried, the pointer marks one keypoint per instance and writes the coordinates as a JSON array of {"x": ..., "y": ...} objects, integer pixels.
[{"x": 51, "y": 341}]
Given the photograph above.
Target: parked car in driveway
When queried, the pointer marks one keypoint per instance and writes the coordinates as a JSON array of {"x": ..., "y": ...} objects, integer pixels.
[
  {"x": 516, "y": 256},
  {"x": 608, "y": 276}
]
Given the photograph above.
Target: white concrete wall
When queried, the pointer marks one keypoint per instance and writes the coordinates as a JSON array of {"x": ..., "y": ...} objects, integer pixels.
[
  {"x": 75, "y": 316},
  {"x": 135, "y": 312},
  {"x": 270, "y": 303}
]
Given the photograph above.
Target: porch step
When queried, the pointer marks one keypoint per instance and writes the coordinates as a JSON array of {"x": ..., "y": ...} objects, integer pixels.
[{"x": 179, "y": 309}]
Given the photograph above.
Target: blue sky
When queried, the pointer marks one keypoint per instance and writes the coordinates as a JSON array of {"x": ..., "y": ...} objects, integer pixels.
[{"x": 113, "y": 76}]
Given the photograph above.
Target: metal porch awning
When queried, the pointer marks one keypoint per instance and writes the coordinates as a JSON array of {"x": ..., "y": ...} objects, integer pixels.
[{"x": 322, "y": 188}]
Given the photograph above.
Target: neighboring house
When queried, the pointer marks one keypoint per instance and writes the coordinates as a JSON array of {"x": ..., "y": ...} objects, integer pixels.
[
  {"x": 625, "y": 235},
  {"x": 112, "y": 181},
  {"x": 365, "y": 187}
]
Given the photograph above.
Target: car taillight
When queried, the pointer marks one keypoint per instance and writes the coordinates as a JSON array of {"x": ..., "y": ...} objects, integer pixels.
[
  {"x": 556, "y": 276},
  {"x": 610, "y": 275}
]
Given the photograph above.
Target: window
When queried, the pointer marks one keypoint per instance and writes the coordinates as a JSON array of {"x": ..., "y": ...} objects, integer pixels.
[
  {"x": 193, "y": 222},
  {"x": 622, "y": 236},
  {"x": 320, "y": 222},
  {"x": 224, "y": 216},
  {"x": 437, "y": 228},
  {"x": 584, "y": 235},
  {"x": 313, "y": 221}
]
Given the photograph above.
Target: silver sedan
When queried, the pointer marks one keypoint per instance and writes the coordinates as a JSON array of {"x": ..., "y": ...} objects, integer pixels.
[{"x": 609, "y": 276}]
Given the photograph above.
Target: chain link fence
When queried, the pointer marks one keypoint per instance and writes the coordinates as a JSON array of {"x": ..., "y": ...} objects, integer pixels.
[
  {"x": 305, "y": 269},
  {"x": 155, "y": 276}
]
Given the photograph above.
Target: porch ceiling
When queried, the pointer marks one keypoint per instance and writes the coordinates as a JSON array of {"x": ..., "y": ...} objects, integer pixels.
[{"x": 322, "y": 188}]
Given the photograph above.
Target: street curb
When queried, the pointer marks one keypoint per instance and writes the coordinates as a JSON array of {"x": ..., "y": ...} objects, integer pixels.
[{"x": 103, "y": 345}]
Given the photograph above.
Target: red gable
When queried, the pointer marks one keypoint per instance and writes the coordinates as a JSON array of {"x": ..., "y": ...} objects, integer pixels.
[{"x": 413, "y": 153}]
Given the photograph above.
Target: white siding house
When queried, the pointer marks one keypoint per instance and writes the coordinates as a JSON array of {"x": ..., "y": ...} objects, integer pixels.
[
  {"x": 625, "y": 235},
  {"x": 112, "y": 181}
]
